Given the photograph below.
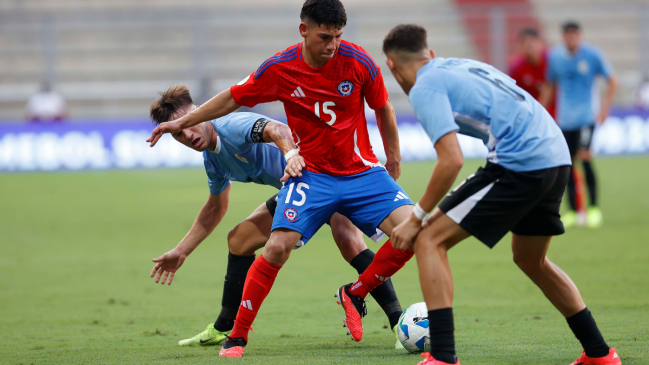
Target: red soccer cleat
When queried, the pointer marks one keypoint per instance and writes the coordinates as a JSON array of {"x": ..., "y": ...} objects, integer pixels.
[
  {"x": 355, "y": 310},
  {"x": 233, "y": 347},
  {"x": 611, "y": 359},
  {"x": 430, "y": 360}
]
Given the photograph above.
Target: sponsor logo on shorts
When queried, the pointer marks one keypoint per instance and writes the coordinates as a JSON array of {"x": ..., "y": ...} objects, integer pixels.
[
  {"x": 345, "y": 88},
  {"x": 290, "y": 214}
]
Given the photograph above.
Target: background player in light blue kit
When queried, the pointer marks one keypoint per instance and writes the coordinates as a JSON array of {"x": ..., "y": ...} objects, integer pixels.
[
  {"x": 572, "y": 72},
  {"x": 234, "y": 149},
  {"x": 519, "y": 190}
]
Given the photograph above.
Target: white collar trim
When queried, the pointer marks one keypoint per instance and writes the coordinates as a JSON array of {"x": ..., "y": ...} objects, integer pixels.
[{"x": 217, "y": 149}]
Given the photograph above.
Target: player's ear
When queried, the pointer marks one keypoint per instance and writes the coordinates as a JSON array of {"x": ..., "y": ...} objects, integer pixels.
[
  {"x": 432, "y": 54},
  {"x": 303, "y": 28},
  {"x": 390, "y": 64}
]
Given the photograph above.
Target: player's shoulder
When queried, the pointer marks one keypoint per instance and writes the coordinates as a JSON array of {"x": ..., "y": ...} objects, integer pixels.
[
  {"x": 359, "y": 57},
  {"x": 590, "y": 49},
  {"x": 278, "y": 60}
]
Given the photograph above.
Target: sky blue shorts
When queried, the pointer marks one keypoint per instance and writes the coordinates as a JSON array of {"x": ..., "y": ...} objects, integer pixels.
[{"x": 306, "y": 203}]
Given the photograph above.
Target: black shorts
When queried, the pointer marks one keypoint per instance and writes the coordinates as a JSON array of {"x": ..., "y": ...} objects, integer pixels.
[
  {"x": 580, "y": 139},
  {"x": 271, "y": 204},
  {"x": 495, "y": 200}
]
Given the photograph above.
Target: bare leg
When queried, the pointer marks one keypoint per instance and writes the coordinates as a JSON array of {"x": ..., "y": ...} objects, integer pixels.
[
  {"x": 348, "y": 238},
  {"x": 431, "y": 248},
  {"x": 251, "y": 234},
  {"x": 529, "y": 255}
]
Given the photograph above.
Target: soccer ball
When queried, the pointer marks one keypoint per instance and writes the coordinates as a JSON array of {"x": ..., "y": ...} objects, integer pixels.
[{"x": 413, "y": 328}]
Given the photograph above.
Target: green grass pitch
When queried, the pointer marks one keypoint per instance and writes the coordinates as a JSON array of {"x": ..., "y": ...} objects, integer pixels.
[{"x": 76, "y": 256}]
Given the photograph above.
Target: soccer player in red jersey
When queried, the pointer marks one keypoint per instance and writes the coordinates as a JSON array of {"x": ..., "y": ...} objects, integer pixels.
[
  {"x": 324, "y": 83},
  {"x": 529, "y": 67}
]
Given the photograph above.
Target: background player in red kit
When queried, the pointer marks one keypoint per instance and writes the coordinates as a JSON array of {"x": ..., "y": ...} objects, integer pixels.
[
  {"x": 529, "y": 67},
  {"x": 323, "y": 83}
]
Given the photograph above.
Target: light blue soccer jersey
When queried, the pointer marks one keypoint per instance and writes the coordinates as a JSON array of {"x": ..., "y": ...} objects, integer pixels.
[
  {"x": 574, "y": 75},
  {"x": 454, "y": 94},
  {"x": 238, "y": 158}
]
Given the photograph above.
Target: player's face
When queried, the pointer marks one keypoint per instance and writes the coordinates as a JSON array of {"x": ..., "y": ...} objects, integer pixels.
[
  {"x": 572, "y": 39},
  {"x": 197, "y": 137},
  {"x": 531, "y": 46},
  {"x": 321, "y": 41}
]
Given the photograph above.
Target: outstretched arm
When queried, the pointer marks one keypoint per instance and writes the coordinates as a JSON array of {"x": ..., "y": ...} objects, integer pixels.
[
  {"x": 220, "y": 105},
  {"x": 449, "y": 163},
  {"x": 608, "y": 99},
  {"x": 208, "y": 218},
  {"x": 386, "y": 120},
  {"x": 283, "y": 138}
]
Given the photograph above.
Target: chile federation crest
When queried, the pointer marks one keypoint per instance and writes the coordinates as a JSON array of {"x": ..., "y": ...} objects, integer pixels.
[{"x": 345, "y": 88}]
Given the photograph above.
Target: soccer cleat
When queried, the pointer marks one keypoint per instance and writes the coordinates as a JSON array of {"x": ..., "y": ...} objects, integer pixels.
[
  {"x": 430, "y": 360},
  {"x": 209, "y": 337},
  {"x": 569, "y": 219},
  {"x": 398, "y": 345},
  {"x": 233, "y": 347},
  {"x": 611, "y": 359},
  {"x": 355, "y": 310},
  {"x": 594, "y": 217}
]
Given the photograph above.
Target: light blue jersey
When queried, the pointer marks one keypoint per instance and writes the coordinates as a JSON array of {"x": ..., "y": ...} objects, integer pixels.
[
  {"x": 238, "y": 157},
  {"x": 454, "y": 94},
  {"x": 574, "y": 75}
]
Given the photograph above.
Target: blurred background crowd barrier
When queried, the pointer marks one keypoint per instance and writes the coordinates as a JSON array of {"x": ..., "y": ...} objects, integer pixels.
[{"x": 77, "y": 77}]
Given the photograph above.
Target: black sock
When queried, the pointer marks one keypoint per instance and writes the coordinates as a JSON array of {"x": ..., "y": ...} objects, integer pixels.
[
  {"x": 572, "y": 190},
  {"x": 585, "y": 329},
  {"x": 384, "y": 294},
  {"x": 442, "y": 340},
  {"x": 233, "y": 290},
  {"x": 590, "y": 181}
]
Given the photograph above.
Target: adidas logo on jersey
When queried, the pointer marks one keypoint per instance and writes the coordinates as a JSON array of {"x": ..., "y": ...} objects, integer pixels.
[
  {"x": 246, "y": 304},
  {"x": 298, "y": 93},
  {"x": 400, "y": 196}
]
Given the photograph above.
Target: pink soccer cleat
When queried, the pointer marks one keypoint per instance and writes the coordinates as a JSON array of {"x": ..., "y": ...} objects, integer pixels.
[
  {"x": 611, "y": 359},
  {"x": 355, "y": 310},
  {"x": 233, "y": 347},
  {"x": 430, "y": 360}
]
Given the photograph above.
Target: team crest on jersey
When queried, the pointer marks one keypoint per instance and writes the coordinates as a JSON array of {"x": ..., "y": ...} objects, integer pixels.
[
  {"x": 241, "y": 158},
  {"x": 345, "y": 88},
  {"x": 290, "y": 214}
]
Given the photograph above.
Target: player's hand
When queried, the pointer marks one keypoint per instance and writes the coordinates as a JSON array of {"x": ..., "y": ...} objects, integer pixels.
[
  {"x": 168, "y": 127},
  {"x": 167, "y": 265},
  {"x": 403, "y": 235},
  {"x": 394, "y": 168},
  {"x": 601, "y": 117},
  {"x": 294, "y": 167}
]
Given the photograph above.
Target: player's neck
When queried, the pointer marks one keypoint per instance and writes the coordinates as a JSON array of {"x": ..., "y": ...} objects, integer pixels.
[
  {"x": 310, "y": 60},
  {"x": 409, "y": 74},
  {"x": 212, "y": 134},
  {"x": 533, "y": 58}
]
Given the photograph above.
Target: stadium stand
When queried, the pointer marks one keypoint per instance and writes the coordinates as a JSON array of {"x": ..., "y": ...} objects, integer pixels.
[{"x": 108, "y": 57}]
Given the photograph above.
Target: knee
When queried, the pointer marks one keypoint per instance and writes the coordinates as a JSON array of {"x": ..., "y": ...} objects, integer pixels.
[
  {"x": 277, "y": 252},
  {"x": 528, "y": 264},
  {"x": 350, "y": 246},
  {"x": 237, "y": 244}
]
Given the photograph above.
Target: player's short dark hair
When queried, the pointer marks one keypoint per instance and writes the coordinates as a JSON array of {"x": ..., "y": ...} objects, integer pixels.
[
  {"x": 405, "y": 37},
  {"x": 170, "y": 102},
  {"x": 570, "y": 26},
  {"x": 328, "y": 12},
  {"x": 528, "y": 32}
]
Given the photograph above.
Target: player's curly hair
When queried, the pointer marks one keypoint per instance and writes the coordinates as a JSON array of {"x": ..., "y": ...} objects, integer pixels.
[
  {"x": 170, "y": 101},
  {"x": 328, "y": 12},
  {"x": 405, "y": 37}
]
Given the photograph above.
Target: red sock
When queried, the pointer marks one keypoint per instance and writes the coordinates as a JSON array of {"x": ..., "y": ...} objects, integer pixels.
[
  {"x": 259, "y": 281},
  {"x": 387, "y": 262}
]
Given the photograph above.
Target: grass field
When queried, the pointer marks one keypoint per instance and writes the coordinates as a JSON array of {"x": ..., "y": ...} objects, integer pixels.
[{"x": 77, "y": 248}]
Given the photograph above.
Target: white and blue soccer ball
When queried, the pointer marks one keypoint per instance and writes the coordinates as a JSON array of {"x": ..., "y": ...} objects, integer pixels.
[{"x": 413, "y": 328}]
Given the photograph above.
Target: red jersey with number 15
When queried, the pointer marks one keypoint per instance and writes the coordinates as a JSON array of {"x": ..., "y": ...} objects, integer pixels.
[{"x": 325, "y": 106}]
